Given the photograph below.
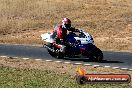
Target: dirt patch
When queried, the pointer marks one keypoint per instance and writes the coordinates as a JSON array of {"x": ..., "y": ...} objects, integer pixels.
[{"x": 107, "y": 20}]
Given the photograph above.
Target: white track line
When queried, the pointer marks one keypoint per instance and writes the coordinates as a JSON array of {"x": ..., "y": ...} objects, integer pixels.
[
  {"x": 58, "y": 61},
  {"x": 115, "y": 67},
  {"x": 73, "y": 63},
  {"x": 15, "y": 57},
  {"x": 67, "y": 62},
  {"x": 48, "y": 60},
  {"x": 124, "y": 68},
  {"x": 130, "y": 69},
  {"x": 96, "y": 65},
  {"x": 3, "y": 56},
  {"x": 87, "y": 64},
  {"x": 107, "y": 66},
  {"x": 25, "y": 58},
  {"x": 77, "y": 63},
  {"x": 38, "y": 59}
]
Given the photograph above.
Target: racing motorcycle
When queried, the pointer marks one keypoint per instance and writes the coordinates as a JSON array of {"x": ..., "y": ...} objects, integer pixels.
[{"x": 78, "y": 44}]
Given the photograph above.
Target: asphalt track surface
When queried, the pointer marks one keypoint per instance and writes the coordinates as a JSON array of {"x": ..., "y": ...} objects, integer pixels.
[{"x": 113, "y": 59}]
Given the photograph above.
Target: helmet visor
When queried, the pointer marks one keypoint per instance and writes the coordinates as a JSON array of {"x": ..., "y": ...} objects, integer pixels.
[{"x": 67, "y": 26}]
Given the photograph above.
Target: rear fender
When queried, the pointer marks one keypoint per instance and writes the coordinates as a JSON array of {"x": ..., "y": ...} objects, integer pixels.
[{"x": 47, "y": 37}]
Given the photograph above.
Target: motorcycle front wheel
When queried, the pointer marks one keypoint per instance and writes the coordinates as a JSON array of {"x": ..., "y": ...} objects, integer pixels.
[{"x": 96, "y": 55}]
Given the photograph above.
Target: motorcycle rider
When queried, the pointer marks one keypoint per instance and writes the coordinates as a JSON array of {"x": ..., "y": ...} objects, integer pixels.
[{"x": 60, "y": 32}]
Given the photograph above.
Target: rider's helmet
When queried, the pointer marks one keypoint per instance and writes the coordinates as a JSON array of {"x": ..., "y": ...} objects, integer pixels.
[{"x": 66, "y": 23}]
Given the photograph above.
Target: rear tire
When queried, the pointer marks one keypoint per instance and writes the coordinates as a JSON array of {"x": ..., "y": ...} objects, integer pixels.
[
  {"x": 50, "y": 52},
  {"x": 59, "y": 55}
]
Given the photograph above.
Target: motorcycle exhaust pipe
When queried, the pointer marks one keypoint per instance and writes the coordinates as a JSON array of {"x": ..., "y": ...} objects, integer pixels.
[
  {"x": 52, "y": 50},
  {"x": 47, "y": 47}
]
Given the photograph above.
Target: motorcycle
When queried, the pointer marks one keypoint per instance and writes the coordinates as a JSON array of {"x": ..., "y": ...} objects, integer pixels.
[{"x": 78, "y": 44}]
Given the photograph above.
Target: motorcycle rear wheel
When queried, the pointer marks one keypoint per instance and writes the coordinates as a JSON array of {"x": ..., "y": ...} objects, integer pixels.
[
  {"x": 59, "y": 55},
  {"x": 50, "y": 52}
]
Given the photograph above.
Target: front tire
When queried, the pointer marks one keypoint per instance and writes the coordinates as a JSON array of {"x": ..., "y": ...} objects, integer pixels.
[{"x": 96, "y": 55}]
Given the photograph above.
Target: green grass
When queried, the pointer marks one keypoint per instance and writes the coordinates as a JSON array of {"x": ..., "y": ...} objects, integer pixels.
[{"x": 32, "y": 78}]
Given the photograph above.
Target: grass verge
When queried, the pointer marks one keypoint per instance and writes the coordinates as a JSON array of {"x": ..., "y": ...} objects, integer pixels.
[
  {"x": 33, "y": 78},
  {"x": 109, "y": 21},
  {"x": 18, "y": 73}
]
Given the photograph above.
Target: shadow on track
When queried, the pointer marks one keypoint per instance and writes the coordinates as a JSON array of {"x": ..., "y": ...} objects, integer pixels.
[
  {"x": 106, "y": 61},
  {"x": 87, "y": 60}
]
